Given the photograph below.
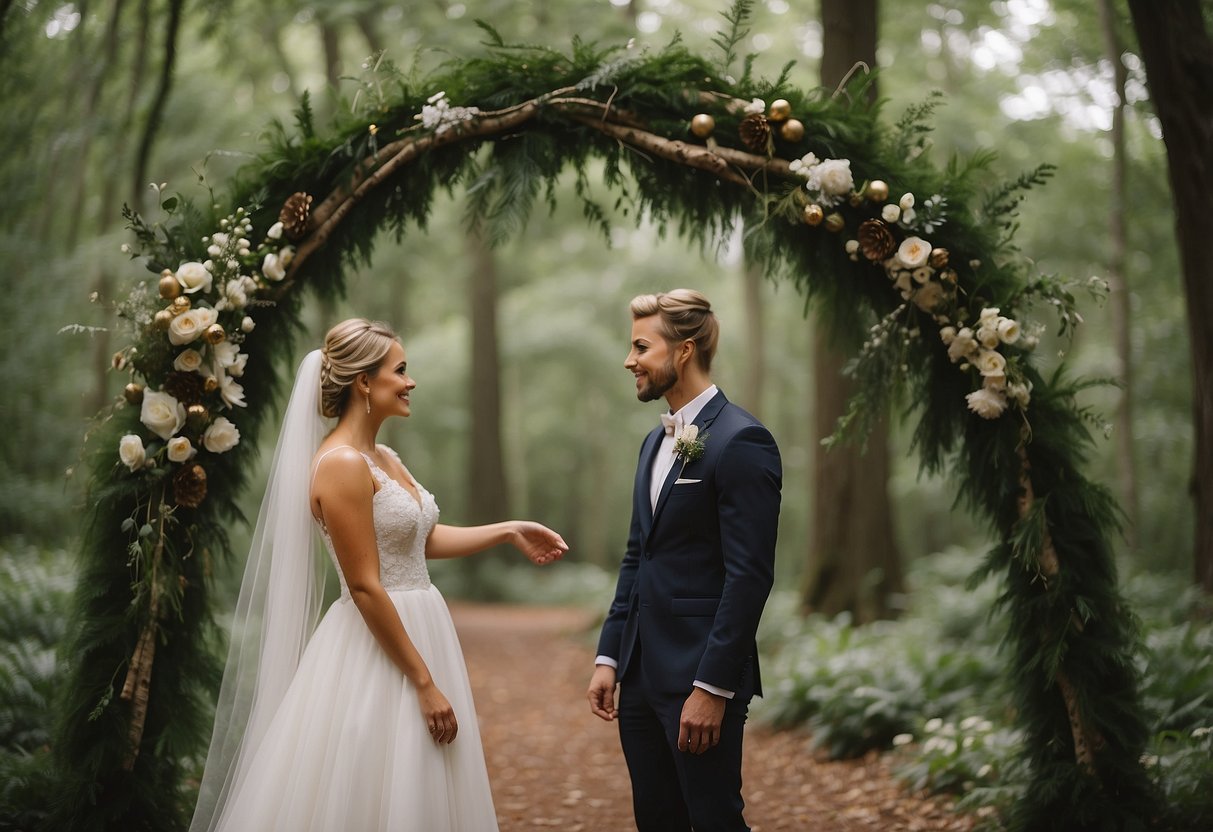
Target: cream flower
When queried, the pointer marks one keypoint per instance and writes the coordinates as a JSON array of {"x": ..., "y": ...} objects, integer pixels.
[
  {"x": 923, "y": 273},
  {"x": 272, "y": 267},
  {"x": 998, "y": 382},
  {"x": 231, "y": 391},
  {"x": 247, "y": 324},
  {"x": 221, "y": 436},
  {"x": 1021, "y": 394},
  {"x": 689, "y": 433},
  {"x": 188, "y": 326},
  {"x": 990, "y": 313},
  {"x": 756, "y": 106},
  {"x": 225, "y": 353},
  {"x": 990, "y": 363},
  {"x": 194, "y": 277},
  {"x": 988, "y": 404},
  {"x": 928, "y": 297},
  {"x": 962, "y": 345},
  {"x": 947, "y": 334},
  {"x": 162, "y": 413},
  {"x": 1008, "y": 330},
  {"x": 189, "y": 361},
  {"x": 131, "y": 452},
  {"x": 852, "y": 246},
  {"x": 180, "y": 449},
  {"x": 832, "y": 177},
  {"x": 906, "y": 202},
  {"x": 286, "y": 256},
  {"x": 988, "y": 335},
  {"x": 890, "y": 213},
  {"x": 913, "y": 252},
  {"x": 275, "y": 231}
]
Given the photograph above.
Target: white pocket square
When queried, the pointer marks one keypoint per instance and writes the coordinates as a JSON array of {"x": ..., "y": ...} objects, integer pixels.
[{"x": 681, "y": 481}]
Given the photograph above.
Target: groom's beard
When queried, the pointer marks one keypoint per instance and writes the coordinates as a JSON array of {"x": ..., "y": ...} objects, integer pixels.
[{"x": 658, "y": 385}]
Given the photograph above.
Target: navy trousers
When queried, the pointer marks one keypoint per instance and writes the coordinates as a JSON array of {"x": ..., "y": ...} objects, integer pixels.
[{"x": 672, "y": 790}]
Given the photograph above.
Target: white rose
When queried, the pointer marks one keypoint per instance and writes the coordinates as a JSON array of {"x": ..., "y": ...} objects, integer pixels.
[
  {"x": 988, "y": 336},
  {"x": 130, "y": 451},
  {"x": 272, "y": 268},
  {"x": 906, "y": 202},
  {"x": 275, "y": 231},
  {"x": 188, "y": 361},
  {"x": 1008, "y": 330},
  {"x": 221, "y": 436},
  {"x": 913, "y": 252},
  {"x": 947, "y": 335},
  {"x": 194, "y": 277},
  {"x": 988, "y": 404},
  {"x": 990, "y": 363},
  {"x": 833, "y": 177},
  {"x": 180, "y": 449},
  {"x": 188, "y": 326},
  {"x": 231, "y": 391},
  {"x": 990, "y": 313},
  {"x": 162, "y": 413},
  {"x": 234, "y": 294},
  {"x": 962, "y": 345},
  {"x": 247, "y": 324},
  {"x": 890, "y": 213},
  {"x": 689, "y": 433}
]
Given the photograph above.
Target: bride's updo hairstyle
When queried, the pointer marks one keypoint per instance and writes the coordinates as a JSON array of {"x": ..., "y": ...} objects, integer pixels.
[
  {"x": 686, "y": 315},
  {"x": 352, "y": 347}
]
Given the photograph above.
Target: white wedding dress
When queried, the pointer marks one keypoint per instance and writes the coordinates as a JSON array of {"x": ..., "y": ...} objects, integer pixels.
[{"x": 348, "y": 749}]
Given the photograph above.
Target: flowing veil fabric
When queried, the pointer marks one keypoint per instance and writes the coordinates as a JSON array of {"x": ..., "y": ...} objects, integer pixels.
[{"x": 279, "y": 602}]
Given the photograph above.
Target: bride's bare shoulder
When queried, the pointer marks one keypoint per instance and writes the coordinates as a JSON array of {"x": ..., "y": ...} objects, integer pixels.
[{"x": 337, "y": 461}]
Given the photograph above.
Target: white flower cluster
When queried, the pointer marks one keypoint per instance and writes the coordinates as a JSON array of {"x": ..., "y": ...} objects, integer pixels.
[
  {"x": 828, "y": 180},
  {"x": 978, "y": 348},
  {"x": 438, "y": 114}
]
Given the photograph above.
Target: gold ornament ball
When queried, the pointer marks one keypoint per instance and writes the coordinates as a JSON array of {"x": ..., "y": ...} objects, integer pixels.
[
  {"x": 163, "y": 318},
  {"x": 702, "y": 125},
  {"x": 878, "y": 190},
  {"x": 211, "y": 384},
  {"x": 780, "y": 110},
  {"x": 214, "y": 334},
  {"x": 180, "y": 304},
  {"x": 813, "y": 214},
  {"x": 133, "y": 392},
  {"x": 169, "y": 287},
  {"x": 792, "y": 130},
  {"x": 939, "y": 258},
  {"x": 197, "y": 415},
  {"x": 835, "y": 222}
]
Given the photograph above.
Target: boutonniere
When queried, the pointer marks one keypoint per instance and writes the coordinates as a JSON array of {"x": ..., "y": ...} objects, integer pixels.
[{"x": 688, "y": 445}]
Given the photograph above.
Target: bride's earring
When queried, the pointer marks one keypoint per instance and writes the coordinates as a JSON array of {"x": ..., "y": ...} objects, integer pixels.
[{"x": 367, "y": 393}]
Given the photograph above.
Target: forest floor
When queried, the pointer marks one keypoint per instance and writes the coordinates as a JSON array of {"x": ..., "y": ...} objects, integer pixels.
[{"x": 554, "y": 765}]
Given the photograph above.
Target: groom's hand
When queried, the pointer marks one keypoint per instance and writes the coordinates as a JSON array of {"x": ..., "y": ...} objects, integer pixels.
[
  {"x": 699, "y": 727},
  {"x": 602, "y": 692}
]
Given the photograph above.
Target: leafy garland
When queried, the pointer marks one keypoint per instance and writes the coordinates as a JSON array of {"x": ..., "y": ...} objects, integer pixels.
[{"x": 687, "y": 145}]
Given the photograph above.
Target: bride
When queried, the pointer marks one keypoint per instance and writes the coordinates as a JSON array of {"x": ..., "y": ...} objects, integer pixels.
[{"x": 364, "y": 721}]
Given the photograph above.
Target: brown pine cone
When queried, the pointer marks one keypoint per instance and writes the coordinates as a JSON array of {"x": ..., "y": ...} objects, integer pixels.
[
  {"x": 189, "y": 486},
  {"x": 755, "y": 132},
  {"x": 295, "y": 213},
  {"x": 186, "y": 388},
  {"x": 876, "y": 240}
]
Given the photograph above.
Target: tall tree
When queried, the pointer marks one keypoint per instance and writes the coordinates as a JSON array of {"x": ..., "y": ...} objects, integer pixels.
[
  {"x": 853, "y": 561},
  {"x": 1178, "y": 55},
  {"x": 487, "y": 495}
]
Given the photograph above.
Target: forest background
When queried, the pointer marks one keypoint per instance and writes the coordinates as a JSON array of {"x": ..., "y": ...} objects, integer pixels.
[{"x": 518, "y": 349}]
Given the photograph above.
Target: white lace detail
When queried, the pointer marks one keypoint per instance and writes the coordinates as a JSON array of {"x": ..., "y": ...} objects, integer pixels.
[{"x": 401, "y": 528}]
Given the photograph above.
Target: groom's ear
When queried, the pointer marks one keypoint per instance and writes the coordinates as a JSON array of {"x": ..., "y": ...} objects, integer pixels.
[{"x": 685, "y": 353}]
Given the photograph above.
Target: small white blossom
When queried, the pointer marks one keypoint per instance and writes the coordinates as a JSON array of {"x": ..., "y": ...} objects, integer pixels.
[
  {"x": 890, "y": 213},
  {"x": 988, "y": 404},
  {"x": 756, "y": 106},
  {"x": 906, "y": 202},
  {"x": 275, "y": 231}
]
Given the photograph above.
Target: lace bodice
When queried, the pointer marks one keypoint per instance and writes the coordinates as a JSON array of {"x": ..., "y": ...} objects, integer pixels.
[{"x": 401, "y": 528}]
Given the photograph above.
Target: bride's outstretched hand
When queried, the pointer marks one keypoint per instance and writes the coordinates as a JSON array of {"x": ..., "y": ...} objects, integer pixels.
[{"x": 540, "y": 544}]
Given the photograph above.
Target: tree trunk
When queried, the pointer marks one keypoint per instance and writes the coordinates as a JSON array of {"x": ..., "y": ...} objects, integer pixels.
[
  {"x": 486, "y": 462},
  {"x": 331, "y": 42},
  {"x": 755, "y": 375},
  {"x": 165, "y": 85},
  {"x": 1178, "y": 55},
  {"x": 1126, "y": 463},
  {"x": 853, "y": 561}
]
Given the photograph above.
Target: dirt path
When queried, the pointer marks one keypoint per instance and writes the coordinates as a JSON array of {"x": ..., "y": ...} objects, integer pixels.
[{"x": 555, "y": 766}]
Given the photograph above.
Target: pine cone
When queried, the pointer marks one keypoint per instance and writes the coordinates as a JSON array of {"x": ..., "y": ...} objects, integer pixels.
[
  {"x": 186, "y": 388},
  {"x": 294, "y": 214},
  {"x": 876, "y": 240},
  {"x": 755, "y": 132},
  {"x": 189, "y": 486}
]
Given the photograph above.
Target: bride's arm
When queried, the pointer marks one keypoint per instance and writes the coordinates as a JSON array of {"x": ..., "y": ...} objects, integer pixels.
[
  {"x": 539, "y": 543},
  {"x": 345, "y": 493}
]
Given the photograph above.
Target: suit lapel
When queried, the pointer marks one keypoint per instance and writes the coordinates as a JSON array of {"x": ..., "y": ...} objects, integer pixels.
[
  {"x": 644, "y": 477},
  {"x": 704, "y": 420}
]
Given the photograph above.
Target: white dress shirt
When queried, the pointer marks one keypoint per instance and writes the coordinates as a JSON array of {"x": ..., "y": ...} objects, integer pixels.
[{"x": 662, "y": 464}]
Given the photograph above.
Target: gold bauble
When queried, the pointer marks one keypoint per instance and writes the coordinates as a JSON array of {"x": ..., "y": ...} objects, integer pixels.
[
  {"x": 211, "y": 384},
  {"x": 197, "y": 415},
  {"x": 214, "y": 333},
  {"x": 702, "y": 125},
  {"x": 169, "y": 287},
  {"x": 133, "y": 392},
  {"x": 878, "y": 190},
  {"x": 780, "y": 110},
  {"x": 813, "y": 214},
  {"x": 939, "y": 258},
  {"x": 163, "y": 319},
  {"x": 792, "y": 130},
  {"x": 835, "y": 222},
  {"x": 180, "y": 304}
]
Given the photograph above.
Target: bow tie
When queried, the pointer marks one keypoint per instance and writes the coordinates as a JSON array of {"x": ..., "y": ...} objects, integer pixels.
[{"x": 669, "y": 422}]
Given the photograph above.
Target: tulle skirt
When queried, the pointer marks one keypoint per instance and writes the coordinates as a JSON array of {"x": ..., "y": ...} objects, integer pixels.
[{"x": 349, "y": 751}]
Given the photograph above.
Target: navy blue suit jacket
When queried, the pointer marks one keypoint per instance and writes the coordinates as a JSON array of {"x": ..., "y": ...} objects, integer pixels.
[{"x": 699, "y": 567}]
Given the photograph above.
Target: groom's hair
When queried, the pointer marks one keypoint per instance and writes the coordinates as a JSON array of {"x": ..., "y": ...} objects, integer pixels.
[{"x": 686, "y": 315}]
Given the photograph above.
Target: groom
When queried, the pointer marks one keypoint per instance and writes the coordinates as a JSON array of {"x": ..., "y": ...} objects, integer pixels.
[{"x": 679, "y": 637}]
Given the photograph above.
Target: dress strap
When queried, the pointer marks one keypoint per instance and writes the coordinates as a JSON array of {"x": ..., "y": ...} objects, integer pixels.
[{"x": 319, "y": 459}]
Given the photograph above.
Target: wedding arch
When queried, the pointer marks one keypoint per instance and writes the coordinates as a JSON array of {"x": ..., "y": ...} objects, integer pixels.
[{"x": 846, "y": 207}]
